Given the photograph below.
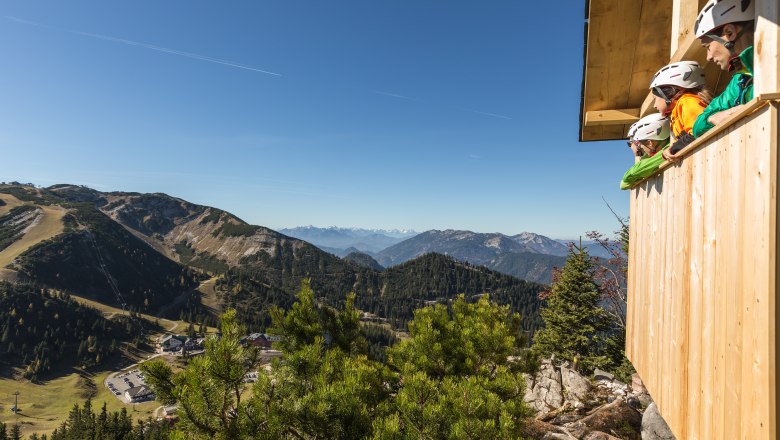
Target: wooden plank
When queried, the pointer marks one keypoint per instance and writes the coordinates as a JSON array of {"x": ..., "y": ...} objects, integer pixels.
[
  {"x": 774, "y": 264},
  {"x": 767, "y": 48},
  {"x": 682, "y": 289},
  {"x": 652, "y": 50},
  {"x": 612, "y": 36},
  {"x": 709, "y": 285},
  {"x": 611, "y": 117},
  {"x": 755, "y": 376},
  {"x": 603, "y": 132},
  {"x": 736, "y": 216},
  {"x": 720, "y": 289},
  {"x": 684, "y": 13},
  {"x": 696, "y": 292}
]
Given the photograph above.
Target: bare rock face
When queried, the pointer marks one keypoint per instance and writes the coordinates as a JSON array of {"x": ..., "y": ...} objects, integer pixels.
[
  {"x": 575, "y": 386},
  {"x": 539, "y": 430},
  {"x": 546, "y": 391},
  {"x": 616, "y": 418},
  {"x": 637, "y": 386},
  {"x": 654, "y": 427}
]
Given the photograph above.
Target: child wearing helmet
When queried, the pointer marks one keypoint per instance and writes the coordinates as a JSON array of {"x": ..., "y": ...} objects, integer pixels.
[
  {"x": 725, "y": 29},
  {"x": 681, "y": 96},
  {"x": 650, "y": 135}
]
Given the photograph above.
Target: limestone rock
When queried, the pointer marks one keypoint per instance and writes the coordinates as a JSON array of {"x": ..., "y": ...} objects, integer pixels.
[
  {"x": 616, "y": 418},
  {"x": 576, "y": 386},
  {"x": 547, "y": 392},
  {"x": 654, "y": 427},
  {"x": 538, "y": 430},
  {"x": 602, "y": 375}
]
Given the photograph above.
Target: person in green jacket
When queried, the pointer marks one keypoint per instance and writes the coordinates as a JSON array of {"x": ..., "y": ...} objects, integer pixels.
[
  {"x": 725, "y": 28},
  {"x": 649, "y": 136}
]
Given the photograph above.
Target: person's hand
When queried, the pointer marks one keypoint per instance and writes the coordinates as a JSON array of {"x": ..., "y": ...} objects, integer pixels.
[
  {"x": 670, "y": 157},
  {"x": 719, "y": 117}
]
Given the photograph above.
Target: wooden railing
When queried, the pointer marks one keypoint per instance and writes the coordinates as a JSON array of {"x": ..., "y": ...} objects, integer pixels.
[{"x": 702, "y": 303}]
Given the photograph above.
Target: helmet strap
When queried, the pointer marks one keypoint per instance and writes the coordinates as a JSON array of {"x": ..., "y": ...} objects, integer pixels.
[{"x": 729, "y": 45}]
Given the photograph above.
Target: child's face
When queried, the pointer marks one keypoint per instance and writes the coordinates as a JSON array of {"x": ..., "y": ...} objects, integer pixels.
[
  {"x": 660, "y": 104},
  {"x": 648, "y": 146}
]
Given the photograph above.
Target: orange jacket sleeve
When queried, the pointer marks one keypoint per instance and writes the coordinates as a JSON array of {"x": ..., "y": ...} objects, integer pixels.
[{"x": 686, "y": 110}]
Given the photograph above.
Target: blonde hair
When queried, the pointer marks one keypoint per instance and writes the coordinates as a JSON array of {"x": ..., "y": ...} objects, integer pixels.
[{"x": 703, "y": 94}]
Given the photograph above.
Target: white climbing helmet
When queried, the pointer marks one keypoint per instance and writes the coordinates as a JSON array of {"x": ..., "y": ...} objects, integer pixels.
[
  {"x": 717, "y": 13},
  {"x": 651, "y": 127},
  {"x": 685, "y": 74}
]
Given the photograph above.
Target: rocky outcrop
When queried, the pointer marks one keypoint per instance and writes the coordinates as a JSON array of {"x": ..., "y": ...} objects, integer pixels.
[
  {"x": 616, "y": 418},
  {"x": 576, "y": 387},
  {"x": 544, "y": 392},
  {"x": 569, "y": 406},
  {"x": 654, "y": 427}
]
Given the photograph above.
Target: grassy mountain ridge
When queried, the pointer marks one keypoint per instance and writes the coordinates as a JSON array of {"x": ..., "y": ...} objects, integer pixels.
[
  {"x": 94, "y": 252},
  {"x": 260, "y": 267}
]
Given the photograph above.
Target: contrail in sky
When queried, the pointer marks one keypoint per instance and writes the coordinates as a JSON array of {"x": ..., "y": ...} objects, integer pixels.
[
  {"x": 495, "y": 115},
  {"x": 195, "y": 56},
  {"x": 149, "y": 46},
  {"x": 396, "y": 95}
]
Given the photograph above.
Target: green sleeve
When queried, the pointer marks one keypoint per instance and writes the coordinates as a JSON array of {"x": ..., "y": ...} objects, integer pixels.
[
  {"x": 641, "y": 170},
  {"x": 722, "y": 102}
]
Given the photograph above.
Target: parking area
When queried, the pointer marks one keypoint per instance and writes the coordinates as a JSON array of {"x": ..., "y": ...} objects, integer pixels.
[{"x": 120, "y": 383}]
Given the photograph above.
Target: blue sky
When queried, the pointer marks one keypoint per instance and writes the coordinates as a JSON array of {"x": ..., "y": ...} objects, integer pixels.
[{"x": 378, "y": 114}]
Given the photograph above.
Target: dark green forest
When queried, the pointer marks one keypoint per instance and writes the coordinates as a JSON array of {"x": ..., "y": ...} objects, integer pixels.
[
  {"x": 393, "y": 294},
  {"x": 72, "y": 260},
  {"x": 42, "y": 331}
]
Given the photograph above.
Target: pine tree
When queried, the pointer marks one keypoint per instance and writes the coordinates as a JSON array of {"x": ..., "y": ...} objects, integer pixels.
[
  {"x": 576, "y": 328},
  {"x": 16, "y": 432},
  {"x": 456, "y": 381}
]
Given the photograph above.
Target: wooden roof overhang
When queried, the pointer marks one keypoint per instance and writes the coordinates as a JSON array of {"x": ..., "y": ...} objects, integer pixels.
[{"x": 626, "y": 42}]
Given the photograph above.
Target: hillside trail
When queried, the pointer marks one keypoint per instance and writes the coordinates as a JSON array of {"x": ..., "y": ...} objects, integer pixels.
[
  {"x": 46, "y": 226},
  {"x": 111, "y": 311},
  {"x": 208, "y": 296},
  {"x": 206, "y": 290},
  {"x": 11, "y": 202}
]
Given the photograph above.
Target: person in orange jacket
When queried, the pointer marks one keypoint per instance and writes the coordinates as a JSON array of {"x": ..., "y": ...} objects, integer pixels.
[{"x": 680, "y": 95}]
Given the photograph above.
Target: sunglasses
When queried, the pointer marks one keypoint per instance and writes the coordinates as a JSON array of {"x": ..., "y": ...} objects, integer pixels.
[{"x": 664, "y": 92}]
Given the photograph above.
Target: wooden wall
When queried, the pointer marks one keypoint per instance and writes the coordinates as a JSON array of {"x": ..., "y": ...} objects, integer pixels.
[{"x": 702, "y": 287}]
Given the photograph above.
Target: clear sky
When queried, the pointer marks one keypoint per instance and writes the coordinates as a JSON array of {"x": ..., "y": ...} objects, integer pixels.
[{"x": 377, "y": 114}]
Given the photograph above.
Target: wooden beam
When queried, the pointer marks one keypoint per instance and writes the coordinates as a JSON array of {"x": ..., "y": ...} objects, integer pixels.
[
  {"x": 684, "y": 13},
  {"x": 651, "y": 52},
  {"x": 767, "y": 39},
  {"x": 611, "y": 117}
]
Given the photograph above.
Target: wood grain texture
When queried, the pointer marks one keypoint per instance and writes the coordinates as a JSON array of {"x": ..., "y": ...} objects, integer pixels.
[{"x": 702, "y": 304}]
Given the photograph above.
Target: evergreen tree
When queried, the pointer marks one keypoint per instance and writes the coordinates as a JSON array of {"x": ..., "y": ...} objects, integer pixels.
[
  {"x": 210, "y": 390},
  {"x": 456, "y": 381},
  {"x": 576, "y": 327},
  {"x": 16, "y": 432},
  {"x": 319, "y": 390}
]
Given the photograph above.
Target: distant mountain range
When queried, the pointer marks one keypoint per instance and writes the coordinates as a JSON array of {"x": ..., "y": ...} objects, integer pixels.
[
  {"x": 527, "y": 255},
  {"x": 338, "y": 240}
]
